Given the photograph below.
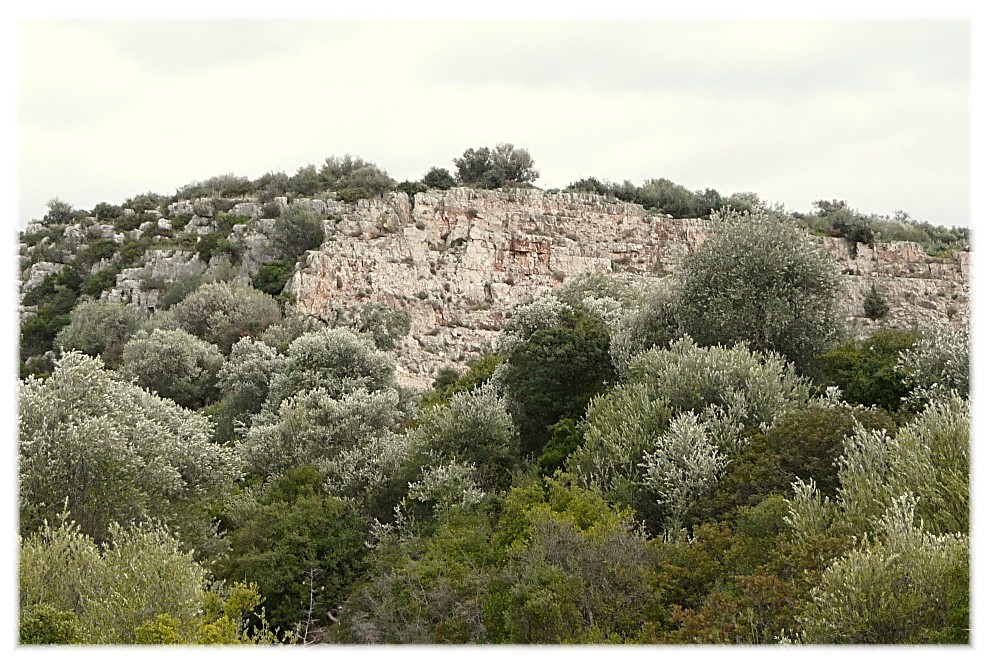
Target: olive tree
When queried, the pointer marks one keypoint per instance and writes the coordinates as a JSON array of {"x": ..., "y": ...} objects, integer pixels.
[
  {"x": 296, "y": 231},
  {"x": 337, "y": 360},
  {"x": 758, "y": 280},
  {"x": 314, "y": 425},
  {"x": 936, "y": 365},
  {"x": 99, "y": 328},
  {"x": 221, "y": 313},
  {"x": 660, "y": 440},
  {"x": 174, "y": 364},
  {"x": 244, "y": 380},
  {"x": 485, "y": 168},
  {"x": 114, "y": 452}
]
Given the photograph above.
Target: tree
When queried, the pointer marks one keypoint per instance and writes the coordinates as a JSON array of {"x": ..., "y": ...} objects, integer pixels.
[
  {"x": 222, "y": 313},
  {"x": 484, "y": 168},
  {"x": 474, "y": 428},
  {"x": 936, "y": 365},
  {"x": 336, "y": 360},
  {"x": 875, "y": 305},
  {"x": 904, "y": 585},
  {"x": 301, "y": 546},
  {"x": 555, "y": 372},
  {"x": 713, "y": 394},
  {"x": 314, "y": 425},
  {"x": 112, "y": 590},
  {"x": 243, "y": 380},
  {"x": 115, "y": 453},
  {"x": 758, "y": 281},
  {"x": 296, "y": 231},
  {"x": 865, "y": 370},
  {"x": 187, "y": 376},
  {"x": 99, "y": 328},
  {"x": 438, "y": 178}
]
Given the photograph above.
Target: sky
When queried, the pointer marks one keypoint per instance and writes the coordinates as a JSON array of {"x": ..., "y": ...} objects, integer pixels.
[{"x": 874, "y": 112}]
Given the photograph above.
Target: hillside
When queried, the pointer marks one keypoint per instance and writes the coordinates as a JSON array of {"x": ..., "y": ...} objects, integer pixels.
[
  {"x": 465, "y": 415},
  {"x": 456, "y": 261}
]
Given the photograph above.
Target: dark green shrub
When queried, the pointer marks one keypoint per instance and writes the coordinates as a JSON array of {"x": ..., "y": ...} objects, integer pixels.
[
  {"x": 301, "y": 546},
  {"x": 106, "y": 212},
  {"x": 565, "y": 437},
  {"x": 875, "y": 306},
  {"x": 306, "y": 181},
  {"x": 178, "y": 289},
  {"x": 865, "y": 370},
  {"x": 411, "y": 188},
  {"x": 438, "y": 178},
  {"x": 100, "y": 281},
  {"x": 131, "y": 253},
  {"x": 803, "y": 444},
  {"x": 272, "y": 276},
  {"x": 96, "y": 250},
  {"x": 555, "y": 372}
]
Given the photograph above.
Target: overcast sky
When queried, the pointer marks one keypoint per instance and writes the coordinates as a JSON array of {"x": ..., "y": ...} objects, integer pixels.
[{"x": 872, "y": 112}]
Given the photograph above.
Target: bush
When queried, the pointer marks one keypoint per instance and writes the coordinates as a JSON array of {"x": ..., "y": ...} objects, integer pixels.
[
  {"x": 438, "y": 178},
  {"x": 758, "y": 281},
  {"x": 313, "y": 425},
  {"x": 803, "y": 444},
  {"x": 865, "y": 371},
  {"x": 101, "y": 281},
  {"x": 296, "y": 231},
  {"x": 222, "y": 313},
  {"x": 475, "y": 429},
  {"x": 555, "y": 372},
  {"x": 875, "y": 305},
  {"x": 484, "y": 168},
  {"x": 99, "y": 328},
  {"x": 903, "y": 585},
  {"x": 936, "y": 365},
  {"x": 188, "y": 376},
  {"x": 116, "y": 453},
  {"x": 336, "y": 360},
  {"x": 301, "y": 546},
  {"x": 272, "y": 276},
  {"x": 73, "y": 590}
]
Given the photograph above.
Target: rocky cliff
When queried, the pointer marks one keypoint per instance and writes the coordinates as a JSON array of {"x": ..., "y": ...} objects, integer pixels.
[{"x": 459, "y": 260}]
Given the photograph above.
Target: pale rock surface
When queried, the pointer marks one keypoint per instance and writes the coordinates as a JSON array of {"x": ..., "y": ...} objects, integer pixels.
[{"x": 458, "y": 261}]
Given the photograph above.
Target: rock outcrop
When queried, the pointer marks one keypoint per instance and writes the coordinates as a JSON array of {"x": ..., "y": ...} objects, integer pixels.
[{"x": 459, "y": 260}]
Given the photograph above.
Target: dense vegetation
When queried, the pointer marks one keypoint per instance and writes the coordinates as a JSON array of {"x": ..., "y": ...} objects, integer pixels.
[{"x": 706, "y": 460}]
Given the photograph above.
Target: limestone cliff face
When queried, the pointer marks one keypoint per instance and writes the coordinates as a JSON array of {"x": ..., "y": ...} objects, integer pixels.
[{"x": 459, "y": 260}]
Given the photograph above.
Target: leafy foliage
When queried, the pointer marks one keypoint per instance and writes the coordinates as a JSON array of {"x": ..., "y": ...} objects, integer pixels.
[
  {"x": 188, "y": 377},
  {"x": 296, "y": 231},
  {"x": 99, "y": 328},
  {"x": 904, "y": 585},
  {"x": 937, "y": 365},
  {"x": 757, "y": 281},
  {"x": 115, "y": 452},
  {"x": 865, "y": 371},
  {"x": 221, "y": 313},
  {"x": 485, "y": 168},
  {"x": 554, "y": 373},
  {"x": 335, "y": 360},
  {"x": 302, "y": 547},
  {"x": 473, "y": 428},
  {"x": 875, "y": 305}
]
